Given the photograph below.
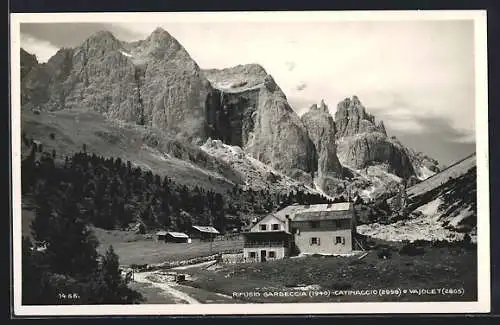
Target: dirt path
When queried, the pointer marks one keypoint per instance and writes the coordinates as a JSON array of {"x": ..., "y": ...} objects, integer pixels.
[
  {"x": 164, "y": 286},
  {"x": 207, "y": 264}
]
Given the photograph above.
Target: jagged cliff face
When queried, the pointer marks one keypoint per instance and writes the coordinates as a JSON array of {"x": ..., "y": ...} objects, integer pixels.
[
  {"x": 232, "y": 113},
  {"x": 27, "y": 61},
  {"x": 351, "y": 119},
  {"x": 254, "y": 114},
  {"x": 321, "y": 129},
  {"x": 363, "y": 142},
  {"x": 153, "y": 82}
]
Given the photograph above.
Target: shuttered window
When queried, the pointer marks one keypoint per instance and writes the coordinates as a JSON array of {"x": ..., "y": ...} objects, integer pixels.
[{"x": 314, "y": 241}]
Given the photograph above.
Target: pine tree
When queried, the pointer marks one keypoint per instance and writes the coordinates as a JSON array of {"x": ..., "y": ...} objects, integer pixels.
[
  {"x": 71, "y": 245},
  {"x": 41, "y": 225},
  {"x": 112, "y": 276}
]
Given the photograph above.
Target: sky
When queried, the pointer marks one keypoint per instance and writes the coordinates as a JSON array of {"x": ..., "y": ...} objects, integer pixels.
[{"x": 415, "y": 75}]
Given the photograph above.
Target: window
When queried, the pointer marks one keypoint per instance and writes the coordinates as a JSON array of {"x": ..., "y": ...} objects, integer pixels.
[
  {"x": 314, "y": 241},
  {"x": 337, "y": 223},
  {"x": 263, "y": 227},
  {"x": 272, "y": 254},
  {"x": 251, "y": 254},
  {"x": 314, "y": 224},
  {"x": 276, "y": 226},
  {"x": 339, "y": 240}
]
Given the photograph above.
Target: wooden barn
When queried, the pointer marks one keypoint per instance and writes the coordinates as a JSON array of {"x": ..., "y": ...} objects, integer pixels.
[
  {"x": 161, "y": 235},
  {"x": 204, "y": 232},
  {"x": 172, "y": 237}
]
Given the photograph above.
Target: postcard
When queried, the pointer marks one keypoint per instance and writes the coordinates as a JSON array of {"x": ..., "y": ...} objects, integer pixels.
[{"x": 230, "y": 163}]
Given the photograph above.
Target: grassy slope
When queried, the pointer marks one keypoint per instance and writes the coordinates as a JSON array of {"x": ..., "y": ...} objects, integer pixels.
[
  {"x": 136, "y": 249},
  {"x": 439, "y": 267},
  {"x": 72, "y": 129},
  {"x": 454, "y": 171}
]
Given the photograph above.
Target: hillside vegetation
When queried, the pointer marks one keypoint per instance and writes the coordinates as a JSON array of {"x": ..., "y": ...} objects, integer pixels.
[{"x": 113, "y": 194}]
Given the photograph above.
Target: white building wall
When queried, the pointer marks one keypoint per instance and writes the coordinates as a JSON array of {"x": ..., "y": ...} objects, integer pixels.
[
  {"x": 269, "y": 221},
  {"x": 279, "y": 253},
  {"x": 326, "y": 242}
]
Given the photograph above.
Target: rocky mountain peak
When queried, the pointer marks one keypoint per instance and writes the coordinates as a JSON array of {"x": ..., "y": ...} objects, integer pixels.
[
  {"x": 362, "y": 141},
  {"x": 27, "y": 62},
  {"x": 321, "y": 129},
  {"x": 161, "y": 45},
  {"x": 104, "y": 40},
  {"x": 322, "y": 107},
  {"x": 351, "y": 118},
  {"x": 269, "y": 83},
  {"x": 160, "y": 36}
]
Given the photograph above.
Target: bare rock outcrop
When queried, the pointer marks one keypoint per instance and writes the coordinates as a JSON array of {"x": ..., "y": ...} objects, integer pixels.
[
  {"x": 152, "y": 82},
  {"x": 361, "y": 141},
  {"x": 424, "y": 165},
  {"x": 351, "y": 118},
  {"x": 27, "y": 62},
  {"x": 321, "y": 129},
  {"x": 255, "y": 115}
]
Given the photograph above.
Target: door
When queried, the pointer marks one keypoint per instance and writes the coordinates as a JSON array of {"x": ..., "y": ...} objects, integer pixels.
[{"x": 262, "y": 255}]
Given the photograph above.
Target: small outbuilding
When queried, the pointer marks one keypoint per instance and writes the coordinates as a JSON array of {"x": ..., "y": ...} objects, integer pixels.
[
  {"x": 204, "y": 232},
  {"x": 161, "y": 235},
  {"x": 172, "y": 237}
]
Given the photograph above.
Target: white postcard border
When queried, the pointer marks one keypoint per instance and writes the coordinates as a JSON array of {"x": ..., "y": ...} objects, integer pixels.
[{"x": 481, "y": 100}]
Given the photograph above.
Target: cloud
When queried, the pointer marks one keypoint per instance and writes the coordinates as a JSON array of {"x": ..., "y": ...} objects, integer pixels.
[
  {"x": 301, "y": 86},
  {"x": 41, "y": 48},
  {"x": 466, "y": 138},
  {"x": 290, "y": 65},
  {"x": 299, "y": 104},
  {"x": 442, "y": 128},
  {"x": 72, "y": 34}
]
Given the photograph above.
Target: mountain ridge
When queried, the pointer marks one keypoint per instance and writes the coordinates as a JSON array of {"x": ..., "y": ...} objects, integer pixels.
[{"x": 154, "y": 82}]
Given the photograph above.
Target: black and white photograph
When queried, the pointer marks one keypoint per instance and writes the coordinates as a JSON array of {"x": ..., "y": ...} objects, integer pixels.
[{"x": 250, "y": 162}]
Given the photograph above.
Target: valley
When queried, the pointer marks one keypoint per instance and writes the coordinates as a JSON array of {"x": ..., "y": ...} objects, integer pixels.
[{"x": 124, "y": 141}]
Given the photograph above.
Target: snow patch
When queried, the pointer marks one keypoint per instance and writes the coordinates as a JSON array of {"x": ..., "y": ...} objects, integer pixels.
[
  {"x": 126, "y": 54},
  {"x": 319, "y": 190},
  {"x": 463, "y": 214},
  {"x": 422, "y": 228},
  {"x": 368, "y": 192},
  {"x": 257, "y": 174},
  {"x": 430, "y": 209},
  {"x": 424, "y": 173}
]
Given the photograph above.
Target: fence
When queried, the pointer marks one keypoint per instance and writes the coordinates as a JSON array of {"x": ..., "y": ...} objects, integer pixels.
[
  {"x": 172, "y": 264},
  {"x": 240, "y": 259}
]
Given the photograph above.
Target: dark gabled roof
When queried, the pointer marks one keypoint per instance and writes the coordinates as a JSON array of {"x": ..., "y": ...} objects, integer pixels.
[
  {"x": 323, "y": 215},
  {"x": 294, "y": 210},
  {"x": 275, "y": 234}
]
